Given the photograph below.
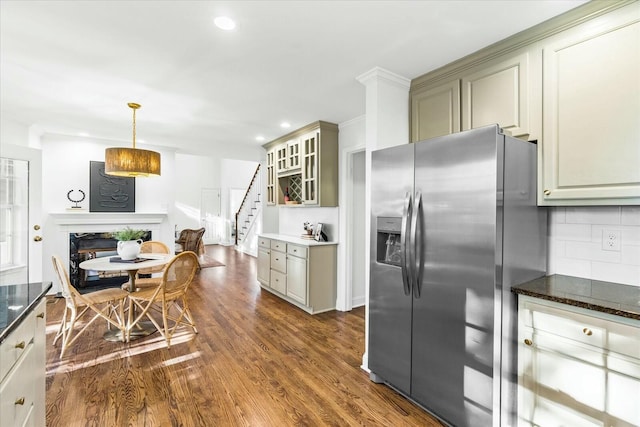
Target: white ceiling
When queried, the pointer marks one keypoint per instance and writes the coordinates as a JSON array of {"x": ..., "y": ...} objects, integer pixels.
[{"x": 71, "y": 66}]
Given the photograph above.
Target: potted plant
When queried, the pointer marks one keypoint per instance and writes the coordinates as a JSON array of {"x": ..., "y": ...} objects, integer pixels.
[{"x": 129, "y": 242}]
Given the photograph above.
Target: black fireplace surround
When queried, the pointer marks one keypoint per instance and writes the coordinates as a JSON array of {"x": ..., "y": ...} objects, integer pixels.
[{"x": 84, "y": 246}]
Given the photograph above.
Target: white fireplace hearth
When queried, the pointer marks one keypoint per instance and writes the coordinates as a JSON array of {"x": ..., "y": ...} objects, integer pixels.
[{"x": 60, "y": 225}]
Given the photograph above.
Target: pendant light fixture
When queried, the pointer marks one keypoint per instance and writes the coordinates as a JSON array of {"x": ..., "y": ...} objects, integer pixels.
[{"x": 131, "y": 162}]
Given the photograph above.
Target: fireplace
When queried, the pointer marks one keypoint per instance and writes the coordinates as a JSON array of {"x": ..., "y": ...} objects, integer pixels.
[
  {"x": 84, "y": 246},
  {"x": 61, "y": 226}
]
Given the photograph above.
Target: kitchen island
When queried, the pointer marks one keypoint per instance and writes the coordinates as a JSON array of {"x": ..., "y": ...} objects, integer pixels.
[
  {"x": 22, "y": 354},
  {"x": 299, "y": 270},
  {"x": 578, "y": 352}
]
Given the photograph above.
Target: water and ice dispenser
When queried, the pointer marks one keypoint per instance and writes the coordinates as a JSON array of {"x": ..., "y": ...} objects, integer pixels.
[{"x": 388, "y": 244}]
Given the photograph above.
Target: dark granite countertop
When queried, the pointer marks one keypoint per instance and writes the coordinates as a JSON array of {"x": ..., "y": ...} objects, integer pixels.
[
  {"x": 613, "y": 298},
  {"x": 16, "y": 302}
]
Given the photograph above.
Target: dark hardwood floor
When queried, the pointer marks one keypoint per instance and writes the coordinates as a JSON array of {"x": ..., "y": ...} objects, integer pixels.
[{"x": 256, "y": 361}]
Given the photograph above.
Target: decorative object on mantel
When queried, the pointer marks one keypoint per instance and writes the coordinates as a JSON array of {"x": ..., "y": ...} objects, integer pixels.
[
  {"x": 132, "y": 162},
  {"x": 110, "y": 193},
  {"x": 129, "y": 243},
  {"x": 76, "y": 201}
]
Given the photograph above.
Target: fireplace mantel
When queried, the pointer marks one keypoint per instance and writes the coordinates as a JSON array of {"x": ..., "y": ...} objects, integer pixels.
[
  {"x": 61, "y": 224},
  {"x": 126, "y": 218}
]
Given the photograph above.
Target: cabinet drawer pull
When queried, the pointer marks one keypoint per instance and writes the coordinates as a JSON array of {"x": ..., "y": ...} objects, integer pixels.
[
  {"x": 20, "y": 401},
  {"x": 587, "y": 331},
  {"x": 21, "y": 344},
  {"x": 40, "y": 316},
  {"x": 527, "y": 341}
]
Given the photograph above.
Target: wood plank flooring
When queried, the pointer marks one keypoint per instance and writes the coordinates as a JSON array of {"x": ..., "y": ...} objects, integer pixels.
[{"x": 256, "y": 361}]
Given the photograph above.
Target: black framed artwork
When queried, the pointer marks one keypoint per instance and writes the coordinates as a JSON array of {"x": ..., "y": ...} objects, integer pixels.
[{"x": 110, "y": 193}]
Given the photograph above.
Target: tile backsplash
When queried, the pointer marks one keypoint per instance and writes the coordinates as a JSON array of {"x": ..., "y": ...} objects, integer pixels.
[{"x": 578, "y": 238}]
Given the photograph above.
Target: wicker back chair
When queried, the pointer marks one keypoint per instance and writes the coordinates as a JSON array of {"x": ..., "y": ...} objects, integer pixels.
[
  {"x": 168, "y": 299},
  {"x": 191, "y": 240},
  {"x": 149, "y": 247},
  {"x": 105, "y": 304}
]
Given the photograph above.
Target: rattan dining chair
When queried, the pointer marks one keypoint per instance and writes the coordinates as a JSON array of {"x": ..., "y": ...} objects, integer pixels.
[
  {"x": 106, "y": 304},
  {"x": 149, "y": 247},
  {"x": 168, "y": 299}
]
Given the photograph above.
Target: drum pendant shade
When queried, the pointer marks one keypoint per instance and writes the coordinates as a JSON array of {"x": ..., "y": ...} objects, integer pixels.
[{"x": 131, "y": 162}]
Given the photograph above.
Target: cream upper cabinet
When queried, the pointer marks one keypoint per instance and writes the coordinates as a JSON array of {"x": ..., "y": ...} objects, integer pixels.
[
  {"x": 500, "y": 92},
  {"x": 435, "y": 111},
  {"x": 310, "y": 153},
  {"x": 293, "y": 154},
  {"x": 571, "y": 83},
  {"x": 282, "y": 158},
  {"x": 306, "y": 166},
  {"x": 271, "y": 177},
  {"x": 591, "y": 113}
]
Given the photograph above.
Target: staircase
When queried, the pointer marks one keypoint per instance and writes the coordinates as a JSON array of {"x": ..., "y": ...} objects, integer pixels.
[{"x": 247, "y": 217}]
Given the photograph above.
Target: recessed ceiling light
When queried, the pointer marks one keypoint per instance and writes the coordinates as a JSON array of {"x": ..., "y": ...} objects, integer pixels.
[
  {"x": 224, "y": 23},
  {"x": 260, "y": 138},
  {"x": 285, "y": 125}
]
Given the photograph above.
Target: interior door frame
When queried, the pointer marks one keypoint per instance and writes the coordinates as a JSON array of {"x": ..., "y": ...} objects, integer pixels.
[
  {"x": 35, "y": 252},
  {"x": 211, "y": 237}
]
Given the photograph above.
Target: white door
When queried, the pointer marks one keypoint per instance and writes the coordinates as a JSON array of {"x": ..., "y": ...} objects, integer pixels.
[
  {"x": 210, "y": 217},
  {"x": 21, "y": 215}
]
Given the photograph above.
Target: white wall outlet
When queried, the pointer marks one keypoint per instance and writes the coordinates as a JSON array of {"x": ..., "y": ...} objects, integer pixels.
[{"x": 611, "y": 240}]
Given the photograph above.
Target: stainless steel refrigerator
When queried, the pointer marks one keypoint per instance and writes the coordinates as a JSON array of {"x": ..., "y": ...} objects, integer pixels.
[{"x": 454, "y": 225}]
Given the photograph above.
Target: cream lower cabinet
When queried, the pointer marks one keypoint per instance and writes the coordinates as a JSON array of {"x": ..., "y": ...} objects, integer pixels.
[
  {"x": 297, "y": 273},
  {"x": 264, "y": 261},
  {"x": 576, "y": 367},
  {"x": 22, "y": 369},
  {"x": 302, "y": 275},
  {"x": 591, "y": 113}
]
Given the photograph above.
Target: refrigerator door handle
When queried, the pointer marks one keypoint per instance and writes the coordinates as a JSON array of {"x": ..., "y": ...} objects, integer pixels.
[
  {"x": 406, "y": 214},
  {"x": 416, "y": 247}
]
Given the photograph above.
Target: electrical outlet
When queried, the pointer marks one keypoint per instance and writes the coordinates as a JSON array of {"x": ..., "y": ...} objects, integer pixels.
[{"x": 611, "y": 240}]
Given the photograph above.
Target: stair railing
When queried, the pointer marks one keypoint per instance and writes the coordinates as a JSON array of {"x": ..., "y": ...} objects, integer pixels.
[{"x": 251, "y": 189}]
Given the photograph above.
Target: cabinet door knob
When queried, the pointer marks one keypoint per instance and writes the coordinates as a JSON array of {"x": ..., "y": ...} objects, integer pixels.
[
  {"x": 37, "y": 239},
  {"x": 21, "y": 344},
  {"x": 587, "y": 331},
  {"x": 40, "y": 315},
  {"x": 20, "y": 401},
  {"x": 527, "y": 341},
  {"x": 547, "y": 192}
]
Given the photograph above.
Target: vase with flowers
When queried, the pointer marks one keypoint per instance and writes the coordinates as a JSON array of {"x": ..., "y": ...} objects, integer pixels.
[{"x": 129, "y": 242}]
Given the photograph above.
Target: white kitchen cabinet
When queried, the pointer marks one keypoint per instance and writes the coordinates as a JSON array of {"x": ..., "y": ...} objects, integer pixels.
[
  {"x": 435, "y": 110},
  {"x": 301, "y": 272},
  {"x": 591, "y": 113},
  {"x": 22, "y": 372},
  {"x": 500, "y": 91},
  {"x": 576, "y": 366}
]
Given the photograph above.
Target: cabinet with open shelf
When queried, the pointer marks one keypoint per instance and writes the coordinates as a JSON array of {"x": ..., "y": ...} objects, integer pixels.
[{"x": 305, "y": 164}]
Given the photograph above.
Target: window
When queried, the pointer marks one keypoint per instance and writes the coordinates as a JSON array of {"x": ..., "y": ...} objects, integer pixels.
[{"x": 14, "y": 186}]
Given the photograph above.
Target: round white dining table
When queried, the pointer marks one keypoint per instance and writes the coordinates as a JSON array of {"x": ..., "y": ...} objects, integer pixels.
[{"x": 132, "y": 268}]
